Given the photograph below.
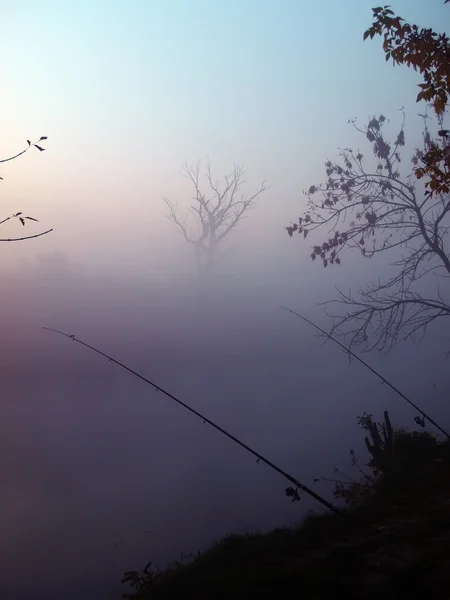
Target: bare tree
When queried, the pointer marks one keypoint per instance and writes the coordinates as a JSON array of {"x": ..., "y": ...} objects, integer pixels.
[
  {"x": 216, "y": 212},
  {"x": 376, "y": 211},
  {"x": 19, "y": 215}
]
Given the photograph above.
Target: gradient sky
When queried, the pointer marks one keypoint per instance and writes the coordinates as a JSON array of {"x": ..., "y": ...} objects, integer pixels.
[{"x": 126, "y": 92}]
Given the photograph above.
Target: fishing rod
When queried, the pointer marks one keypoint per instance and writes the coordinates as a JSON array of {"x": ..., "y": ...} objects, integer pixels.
[
  {"x": 259, "y": 456},
  {"x": 383, "y": 379}
]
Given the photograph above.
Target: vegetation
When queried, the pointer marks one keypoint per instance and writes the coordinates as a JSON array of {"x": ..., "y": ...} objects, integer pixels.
[
  {"x": 377, "y": 209},
  {"x": 392, "y": 542},
  {"x": 429, "y": 53},
  {"x": 19, "y": 215},
  {"x": 394, "y": 457},
  {"x": 216, "y": 212}
]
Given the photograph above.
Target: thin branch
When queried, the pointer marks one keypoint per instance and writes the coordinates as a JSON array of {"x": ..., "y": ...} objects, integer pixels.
[
  {"x": 376, "y": 211},
  {"x": 28, "y": 237},
  {"x": 3, "y": 160},
  {"x": 217, "y": 213},
  {"x": 18, "y": 215},
  {"x": 35, "y": 144}
]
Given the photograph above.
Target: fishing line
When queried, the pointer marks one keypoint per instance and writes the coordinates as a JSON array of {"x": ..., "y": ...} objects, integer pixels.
[
  {"x": 383, "y": 379},
  {"x": 259, "y": 456}
]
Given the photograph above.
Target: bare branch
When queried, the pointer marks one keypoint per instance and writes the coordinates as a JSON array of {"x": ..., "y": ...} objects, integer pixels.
[
  {"x": 30, "y": 145},
  {"x": 28, "y": 237},
  {"x": 376, "y": 211},
  {"x": 172, "y": 216},
  {"x": 19, "y": 215},
  {"x": 216, "y": 212}
]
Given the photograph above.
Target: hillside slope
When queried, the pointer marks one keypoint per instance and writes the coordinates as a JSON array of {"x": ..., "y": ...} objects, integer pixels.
[{"x": 396, "y": 544}]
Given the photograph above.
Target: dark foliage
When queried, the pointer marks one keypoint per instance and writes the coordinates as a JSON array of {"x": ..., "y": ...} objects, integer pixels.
[{"x": 392, "y": 543}]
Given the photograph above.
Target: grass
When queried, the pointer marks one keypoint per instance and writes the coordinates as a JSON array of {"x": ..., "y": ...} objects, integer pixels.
[{"x": 393, "y": 544}]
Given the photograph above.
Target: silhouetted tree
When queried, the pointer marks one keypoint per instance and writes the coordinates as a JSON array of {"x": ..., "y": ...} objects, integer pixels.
[
  {"x": 429, "y": 53},
  {"x": 19, "y": 215},
  {"x": 216, "y": 212},
  {"x": 376, "y": 210}
]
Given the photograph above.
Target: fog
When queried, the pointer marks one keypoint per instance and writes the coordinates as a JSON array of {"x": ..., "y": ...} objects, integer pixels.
[{"x": 99, "y": 472}]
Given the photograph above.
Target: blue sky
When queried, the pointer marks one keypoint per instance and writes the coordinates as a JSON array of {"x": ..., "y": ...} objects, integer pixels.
[
  {"x": 126, "y": 91},
  {"x": 136, "y": 87}
]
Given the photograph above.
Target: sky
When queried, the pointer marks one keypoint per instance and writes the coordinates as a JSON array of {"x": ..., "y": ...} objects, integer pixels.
[{"x": 126, "y": 93}]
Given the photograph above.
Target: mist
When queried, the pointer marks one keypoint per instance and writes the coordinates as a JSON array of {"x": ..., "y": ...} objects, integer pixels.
[{"x": 99, "y": 472}]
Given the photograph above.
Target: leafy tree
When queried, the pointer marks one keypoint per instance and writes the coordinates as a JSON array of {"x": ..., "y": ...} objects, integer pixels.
[
  {"x": 429, "y": 53},
  {"x": 216, "y": 212},
  {"x": 380, "y": 209},
  {"x": 19, "y": 215}
]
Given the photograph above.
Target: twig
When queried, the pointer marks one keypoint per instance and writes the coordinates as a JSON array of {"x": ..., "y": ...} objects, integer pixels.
[
  {"x": 30, "y": 145},
  {"x": 206, "y": 420},
  {"x": 28, "y": 237}
]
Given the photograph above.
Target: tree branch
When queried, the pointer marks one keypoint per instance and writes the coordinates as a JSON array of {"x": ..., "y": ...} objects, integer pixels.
[
  {"x": 28, "y": 237},
  {"x": 35, "y": 144},
  {"x": 379, "y": 211},
  {"x": 216, "y": 215}
]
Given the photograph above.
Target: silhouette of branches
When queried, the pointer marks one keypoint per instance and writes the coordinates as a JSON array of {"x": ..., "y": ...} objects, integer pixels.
[
  {"x": 375, "y": 211},
  {"x": 428, "y": 53},
  {"x": 30, "y": 145},
  {"x": 216, "y": 211},
  {"x": 19, "y": 215},
  {"x": 379, "y": 321}
]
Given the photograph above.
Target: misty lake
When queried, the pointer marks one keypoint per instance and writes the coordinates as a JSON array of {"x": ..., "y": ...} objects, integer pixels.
[
  {"x": 100, "y": 473},
  {"x": 165, "y": 150}
]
